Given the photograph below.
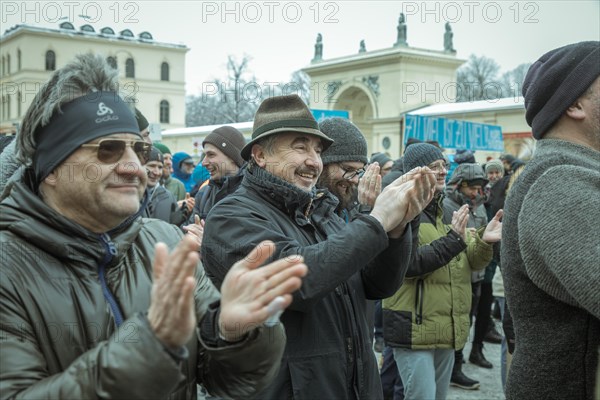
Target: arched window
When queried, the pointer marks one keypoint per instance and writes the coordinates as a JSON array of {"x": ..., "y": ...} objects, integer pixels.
[
  {"x": 164, "y": 112},
  {"x": 8, "y": 64},
  {"x": 19, "y": 104},
  {"x": 18, "y": 59},
  {"x": 129, "y": 68},
  {"x": 112, "y": 62},
  {"x": 50, "y": 61},
  {"x": 8, "y": 106},
  {"x": 164, "y": 71}
]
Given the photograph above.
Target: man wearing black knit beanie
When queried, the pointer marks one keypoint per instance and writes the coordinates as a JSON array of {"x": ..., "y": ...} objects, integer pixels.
[
  {"x": 343, "y": 164},
  {"x": 550, "y": 243}
]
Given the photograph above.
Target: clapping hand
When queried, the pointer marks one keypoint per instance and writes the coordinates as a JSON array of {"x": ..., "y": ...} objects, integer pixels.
[
  {"x": 369, "y": 185},
  {"x": 248, "y": 292},
  {"x": 460, "y": 219},
  {"x": 493, "y": 230}
]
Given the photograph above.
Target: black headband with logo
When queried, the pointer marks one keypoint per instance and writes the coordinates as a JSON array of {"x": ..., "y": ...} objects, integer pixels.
[{"x": 84, "y": 119}]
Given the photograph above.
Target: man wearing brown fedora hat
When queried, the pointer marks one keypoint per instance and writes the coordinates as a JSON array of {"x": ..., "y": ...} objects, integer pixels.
[{"x": 329, "y": 352}]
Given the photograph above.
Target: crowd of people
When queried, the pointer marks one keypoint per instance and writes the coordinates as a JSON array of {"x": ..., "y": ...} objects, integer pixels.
[{"x": 278, "y": 268}]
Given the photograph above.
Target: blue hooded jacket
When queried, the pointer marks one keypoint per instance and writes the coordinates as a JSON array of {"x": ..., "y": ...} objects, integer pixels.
[{"x": 185, "y": 178}]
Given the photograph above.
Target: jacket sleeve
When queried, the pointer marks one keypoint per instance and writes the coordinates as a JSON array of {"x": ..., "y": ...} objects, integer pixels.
[
  {"x": 329, "y": 262},
  {"x": 132, "y": 363},
  {"x": 558, "y": 235},
  {"x": 479, "y": 253},
  {"x": 233, "y": 370},
  {"x": 432, "y": 256},
  {"x": 238, "y": 370},
  {"x": 384, "y": 276}
]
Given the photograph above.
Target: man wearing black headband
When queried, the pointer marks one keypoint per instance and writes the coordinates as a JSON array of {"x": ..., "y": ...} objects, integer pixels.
[
  {"x": 91, "y": 305},
  {"x": 550, "y": 245}
]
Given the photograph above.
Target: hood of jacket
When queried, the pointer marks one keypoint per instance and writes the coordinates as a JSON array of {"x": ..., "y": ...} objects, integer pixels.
[{"x": 177, "y": 159}]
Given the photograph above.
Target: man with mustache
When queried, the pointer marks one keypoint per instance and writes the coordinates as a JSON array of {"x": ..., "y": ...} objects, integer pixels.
[
  {"x": 93, "y": 304},
  {"x": 329, "y": 352},
  {"x": 343, "y": 166}
]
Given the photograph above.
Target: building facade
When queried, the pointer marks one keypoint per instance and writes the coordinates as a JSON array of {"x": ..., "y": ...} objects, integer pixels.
[{"x": 151, "y": 73}]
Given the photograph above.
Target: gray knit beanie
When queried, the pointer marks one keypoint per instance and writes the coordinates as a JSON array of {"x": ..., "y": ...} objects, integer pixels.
[
  {"x": 380, "y": 158},
  {"x": 555, "y": 81},
  {"x": 494, "y": 165},
  {"x": 230, "y": 141},
  {"x": 349, "y": 143},
  {"x": 421, "y": 155}
]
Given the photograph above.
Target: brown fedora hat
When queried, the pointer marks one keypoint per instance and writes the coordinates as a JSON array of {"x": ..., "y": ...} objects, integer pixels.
[{"x": 283, "y": 114}]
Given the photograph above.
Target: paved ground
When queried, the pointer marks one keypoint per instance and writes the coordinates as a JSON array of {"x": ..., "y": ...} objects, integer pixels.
[{"x": 490, "y": 383}]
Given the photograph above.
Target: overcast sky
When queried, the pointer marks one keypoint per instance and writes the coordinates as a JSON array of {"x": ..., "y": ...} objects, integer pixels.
[{"x": 279, "y": 36}]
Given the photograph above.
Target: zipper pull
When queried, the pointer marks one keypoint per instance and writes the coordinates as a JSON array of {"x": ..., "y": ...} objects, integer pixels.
[{"x": 111, "y": 246}]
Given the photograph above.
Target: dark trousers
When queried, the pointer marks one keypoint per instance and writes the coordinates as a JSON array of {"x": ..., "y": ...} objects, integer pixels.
[
  {"x": 378, "y": 324},
  {"x": 484, "y": 311},
  {"x": 390, "y": 378}
]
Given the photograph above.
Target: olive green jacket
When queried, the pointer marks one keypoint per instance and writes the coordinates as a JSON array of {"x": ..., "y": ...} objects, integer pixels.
[
  {"x": 431, "y": 310},
  {"x": 58, "y": 332}
]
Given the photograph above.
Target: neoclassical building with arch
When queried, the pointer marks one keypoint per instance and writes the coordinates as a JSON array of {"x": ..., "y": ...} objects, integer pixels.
[
  {"x": 151, "y": 72},
  {"x": 378, "y": 87}
]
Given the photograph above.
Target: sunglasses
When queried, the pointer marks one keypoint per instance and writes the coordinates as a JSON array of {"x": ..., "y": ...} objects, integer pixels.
[{"x": 110, "y": 151}]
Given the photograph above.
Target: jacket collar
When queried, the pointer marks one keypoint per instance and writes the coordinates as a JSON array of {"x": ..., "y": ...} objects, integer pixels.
[
  {"x": 26, "y": 215},
  {"x": 297, "y": 203}
]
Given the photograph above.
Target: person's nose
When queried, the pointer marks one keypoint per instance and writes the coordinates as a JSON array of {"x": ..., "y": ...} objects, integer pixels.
[
  {"x": 314, "y": 159},
  {"x": 129, "y": 164}
]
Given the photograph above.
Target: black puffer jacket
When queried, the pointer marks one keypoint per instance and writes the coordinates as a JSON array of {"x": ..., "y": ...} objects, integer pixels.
[
  {"x": 161, "y": 204},
  {"x": 60, "y": 338},
  {"x": 329, "y": 352},
  {"x": 214, "y": 192}
]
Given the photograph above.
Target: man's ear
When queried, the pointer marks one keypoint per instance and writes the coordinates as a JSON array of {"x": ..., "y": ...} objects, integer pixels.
[
  {"x": 576, "y": 110},
  {"x": 52, "y": 177},
  {"x": 258, "y": 153}
]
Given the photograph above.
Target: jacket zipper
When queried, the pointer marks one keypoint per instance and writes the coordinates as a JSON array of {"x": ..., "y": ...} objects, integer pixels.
[
  {"x": 111, "y": 251},
  {"x": 419, "y": 302}
]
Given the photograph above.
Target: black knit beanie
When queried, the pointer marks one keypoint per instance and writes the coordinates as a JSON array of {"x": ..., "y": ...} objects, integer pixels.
[
  {"x": 141, "y": 120},
  {"x": 421, "y": 155},
  {"x": 555, "y": 81},
  {"x": 230, "y": 141},
  {"x": 156, "y": 155},
  {"x": 349, "y": 143}
]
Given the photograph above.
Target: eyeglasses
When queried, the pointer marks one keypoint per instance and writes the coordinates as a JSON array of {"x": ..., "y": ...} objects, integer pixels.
[
  {"x": 438, "y": 167},
  {"x": 351, "y": 173},
  {"x": 110, "y": 151}
]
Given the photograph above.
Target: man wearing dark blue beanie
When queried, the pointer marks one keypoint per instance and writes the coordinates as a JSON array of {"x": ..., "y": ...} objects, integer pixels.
[{"x": 550, "y": 244}]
